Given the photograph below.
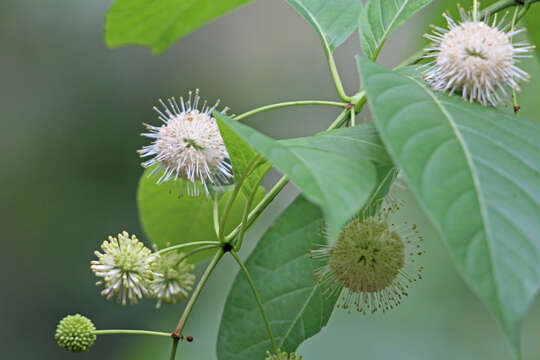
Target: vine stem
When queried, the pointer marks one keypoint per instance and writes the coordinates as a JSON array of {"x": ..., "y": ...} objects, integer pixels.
[
  {"x": 288, "y": 104},
  {"x": 180, "y": 246},
  {"x": 130, "y": 332},
  {"x": 257, "y": 298},
  {"x": 197, "y": 291}
]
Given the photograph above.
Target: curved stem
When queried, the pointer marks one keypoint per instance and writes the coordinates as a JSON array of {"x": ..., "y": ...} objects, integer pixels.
[
  {"x": 237, "y": 186},
  {"x": 197, "y": 291},
  {"x": 288, "y": 104},
  {"x": 243, "y": 224},
  {"x": 503, "y": 4},
  {"x": 180, "y": 246},
  {"x": 195, "y": 251},
  {"x": 130, "y": 332},
  {"x": 257, "y": 298}
]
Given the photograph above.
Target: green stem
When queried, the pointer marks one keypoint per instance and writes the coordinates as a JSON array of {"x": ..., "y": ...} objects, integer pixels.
[
  {"x": 180, "y": 246},
  {"x": 243, "y": 224},
  {"x": 475, "y": 10},
  {"x": 514, "y": 93},
  {"x": 130, "y": 332},
  {"x": 237, "y": 186},
  {"x": 173, "y": 349},
  {"x": 353, "y": 117},
  {"x": 257, "y": 298},
  {"x": 503, "y": 4},
  {"x": 215, "y": 214},
  {"x": 197, "y": 291},
  {"x": 195, "y": 251},
  {"x": 288, "y": 104}
]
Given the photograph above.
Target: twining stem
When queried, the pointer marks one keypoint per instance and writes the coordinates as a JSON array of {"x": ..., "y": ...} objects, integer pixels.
[
  {"x": 131, "y": 332},
  {"x": 180, "y": 246},
  {"x": 288, "y": 104},
  {"x": 257, "y": 298},
  {"x": 197, "y": 291}
]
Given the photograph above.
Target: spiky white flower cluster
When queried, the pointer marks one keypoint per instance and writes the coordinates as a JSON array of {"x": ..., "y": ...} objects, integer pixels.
[
  {"x": 125, "y": 268},
  {"x": 188, "y": 146},
  {"x": 476, "y": 59},
  {"x": 176, "y": 280},
  {"x": 373, "y": 262}
]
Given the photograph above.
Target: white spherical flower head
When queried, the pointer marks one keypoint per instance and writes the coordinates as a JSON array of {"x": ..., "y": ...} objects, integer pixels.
[
  {"x": 188, "y": 145},
  {"x": 476, "y": 59},
  {"x": 125, "y": 266},
  {"x": 373, "y": 262}
]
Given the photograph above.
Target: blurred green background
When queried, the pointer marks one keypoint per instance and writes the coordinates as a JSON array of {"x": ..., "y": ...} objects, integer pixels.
[{"x": 71, "y": 117}]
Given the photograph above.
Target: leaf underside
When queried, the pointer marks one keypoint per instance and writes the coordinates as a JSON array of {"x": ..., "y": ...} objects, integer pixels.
[{"x": 476, "y": 172}]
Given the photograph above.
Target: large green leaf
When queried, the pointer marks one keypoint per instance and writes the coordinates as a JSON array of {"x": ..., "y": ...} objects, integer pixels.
[
  {"x": 380, "y": 17},
  {"x": 159, "y": 23},
  {"x": 333, "y": 20},
  {"x": 532, "y": 20},
  {"x": 476, "y": 171},
  {"x": 338, "y": 181},
  {"x": 169, "y": 217},
  {"x": 283, "y": 274}
]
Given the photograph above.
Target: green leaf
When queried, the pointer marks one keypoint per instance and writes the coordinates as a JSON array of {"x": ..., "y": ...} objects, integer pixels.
[
  {"x": 476, "y": 172},
  {"x": 282, "y": 272},
  {"x": 379, "y": 18},
  {"x": 241, "y": 155},
  {"x": 168, "y": 217},
  {"x": 159, "y": 23},
  {"x": 532, "y": 20},
  {"x": 334, "y": 20},
  {"x": 339, "y": 182}
]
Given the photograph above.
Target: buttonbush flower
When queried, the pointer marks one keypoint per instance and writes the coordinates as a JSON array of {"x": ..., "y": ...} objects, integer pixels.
[
  {"x": 125, "y": 268},
  {"x": 75, "y": 333},
  {"x": 476, "y": 59},
  {"x": 175, "y": 280},
  {"x": 188, "y": 145},
  {"x": 373, "y": 262}
]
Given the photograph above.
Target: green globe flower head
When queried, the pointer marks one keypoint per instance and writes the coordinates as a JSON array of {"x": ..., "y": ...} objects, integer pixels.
[
  {"x": 75, "y": 333},
  {"x": 282, "y": 356},
  {"x": 373, "y": 261}
]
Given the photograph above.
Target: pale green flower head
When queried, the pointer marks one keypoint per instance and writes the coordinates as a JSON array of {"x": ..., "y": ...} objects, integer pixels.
[
  {"x": 175, "y": 280},
  {"x": 75, "y": 333}
]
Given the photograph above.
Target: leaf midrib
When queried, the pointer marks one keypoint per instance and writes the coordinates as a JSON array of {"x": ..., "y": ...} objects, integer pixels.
[{"x": 476, "y": 181}]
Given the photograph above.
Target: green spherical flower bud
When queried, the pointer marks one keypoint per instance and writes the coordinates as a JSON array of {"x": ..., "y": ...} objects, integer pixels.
[
  {"x": 282, "y": 356},
  {"x": 75, "y": 333}
]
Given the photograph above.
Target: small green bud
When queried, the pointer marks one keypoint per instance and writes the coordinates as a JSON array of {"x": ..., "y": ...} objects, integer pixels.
[
  {"x": 75, "y": 333},
  {"x": 282, "y": 356}
]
